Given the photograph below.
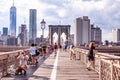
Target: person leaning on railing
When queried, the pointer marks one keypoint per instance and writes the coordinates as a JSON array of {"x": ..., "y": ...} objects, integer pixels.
[{"x": 90, "y": 55}]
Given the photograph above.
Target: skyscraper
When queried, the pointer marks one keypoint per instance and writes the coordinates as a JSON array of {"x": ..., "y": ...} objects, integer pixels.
[
  {"x": 4, "y": 36},
  {"x": 23, "y": 35},
  {"x": 13, "y": 20},
  {"x": 116, "y": 35},
  {"x": 96, "y": 34},
  {"x": 32, "y": 26},
  {"x": 5, "y": 31},
  {"x": 82, "y": 33}
]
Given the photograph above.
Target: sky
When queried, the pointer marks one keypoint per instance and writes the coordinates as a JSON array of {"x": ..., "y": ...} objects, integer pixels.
[{"x": 102, "y": 13}]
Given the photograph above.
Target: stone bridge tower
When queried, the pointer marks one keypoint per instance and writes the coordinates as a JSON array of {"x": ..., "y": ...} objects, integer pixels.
[{"x": 59, "y": 29}]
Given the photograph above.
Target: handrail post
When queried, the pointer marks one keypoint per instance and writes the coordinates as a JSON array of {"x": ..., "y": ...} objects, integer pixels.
[
  {"x": 79, "y": 55},
  {"x": 5, "y": 64},
  {"x": 111, "y": 69},
  {"x": 100, "y": 69}
]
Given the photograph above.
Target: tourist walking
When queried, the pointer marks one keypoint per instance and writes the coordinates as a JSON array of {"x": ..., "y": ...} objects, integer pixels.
[
  {"x": 90, "y": 55},
  {"x": 65, "y": 47},
  {"x": 44, "y": 50},
  {"x": 48, "y": 50},
  {"x": 33, "y": 53},
  {"x": 60, "y": 47},
  {"x": 55, "y": 49}
]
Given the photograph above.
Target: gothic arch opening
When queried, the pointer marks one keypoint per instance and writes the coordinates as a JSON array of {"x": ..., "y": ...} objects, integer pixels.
[
  {"x": 63, "y": 39},
  {"x": 55, "y": 38}
]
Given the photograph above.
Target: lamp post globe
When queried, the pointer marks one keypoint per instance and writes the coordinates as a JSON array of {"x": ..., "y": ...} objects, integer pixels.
[{"x": 43, "y": 26}]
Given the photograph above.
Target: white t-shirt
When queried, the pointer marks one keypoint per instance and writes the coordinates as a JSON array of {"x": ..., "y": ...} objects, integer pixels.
[
  {"x": 23, "y": 60},
  {"x": 33, "y": 50}
]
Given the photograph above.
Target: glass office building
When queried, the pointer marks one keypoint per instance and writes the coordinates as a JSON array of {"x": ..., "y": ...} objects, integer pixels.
[
  {"x": 32, "y": 25},
  {"x": 13, "y": 21},
  {"x": 5, "y": 31}
]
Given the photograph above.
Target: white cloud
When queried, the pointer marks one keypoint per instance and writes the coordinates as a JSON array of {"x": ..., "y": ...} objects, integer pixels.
[
  {"x": 61, "y": 12},
  {"x": 103, "y": 13}
]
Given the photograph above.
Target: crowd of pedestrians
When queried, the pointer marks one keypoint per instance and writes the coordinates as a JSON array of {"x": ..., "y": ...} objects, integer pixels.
[{"x": 31, "y": 56}]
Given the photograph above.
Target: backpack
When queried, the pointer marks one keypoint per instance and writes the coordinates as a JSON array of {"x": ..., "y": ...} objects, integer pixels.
[{"x": 37, "y": 53}]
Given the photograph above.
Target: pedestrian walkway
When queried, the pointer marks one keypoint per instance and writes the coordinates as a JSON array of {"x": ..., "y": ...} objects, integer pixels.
[
  {"x": 66, "y": 69},
  {"x": 60, "y": 68}
]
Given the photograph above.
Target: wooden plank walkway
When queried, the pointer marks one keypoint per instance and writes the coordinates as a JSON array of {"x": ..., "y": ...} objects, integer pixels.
[
  {"x": 73, "y": 69},
  {"x": 62, "y": 68},
  {"x": 66, "y": 69}
]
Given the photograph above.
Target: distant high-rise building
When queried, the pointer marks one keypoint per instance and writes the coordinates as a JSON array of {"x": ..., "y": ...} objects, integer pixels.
[
  {"x": 82, "y": 33},
  {"x": 13, "y": 20},
  {"x": 72, "y": 39},
  {"x": 96, "y": 34},
  {"x": 12, "y": 41},
  {"x": 5, "y": 31},
  {"x": 32, "y": 26},
  {"x": 23, "y": 35},
  {"x": 19, "y": 31},
  {"x": 116, "y": 35},
  {"x": 0, "y": 33}
]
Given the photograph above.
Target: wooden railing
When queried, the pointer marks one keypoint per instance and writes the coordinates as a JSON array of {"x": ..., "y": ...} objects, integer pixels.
[
  {"x": 106, "y": 65},
  {"x": 8, "y": 62},
  {"x": 12, "y": 48}
]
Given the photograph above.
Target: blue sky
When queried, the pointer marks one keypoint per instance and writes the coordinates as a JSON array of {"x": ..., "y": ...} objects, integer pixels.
[{"x": 103, "y": 13}]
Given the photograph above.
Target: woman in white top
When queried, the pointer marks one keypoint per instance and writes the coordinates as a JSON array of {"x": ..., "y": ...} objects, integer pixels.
[{"x": 23, "y": 58}]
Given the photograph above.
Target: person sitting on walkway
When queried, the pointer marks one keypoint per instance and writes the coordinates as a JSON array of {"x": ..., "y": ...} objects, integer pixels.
[
  {"x": 55, "y": 49},
  {"x": 23, "y": 58},
  {"x": 90, "y": 55},
  {"x": 33, "y": 53}
]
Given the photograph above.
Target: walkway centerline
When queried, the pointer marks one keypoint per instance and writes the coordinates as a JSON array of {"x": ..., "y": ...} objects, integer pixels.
[{"x": 54, "y": 70}]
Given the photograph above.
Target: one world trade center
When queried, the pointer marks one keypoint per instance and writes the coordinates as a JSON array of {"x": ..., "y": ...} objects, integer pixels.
[{"x": 13, "y": 20}]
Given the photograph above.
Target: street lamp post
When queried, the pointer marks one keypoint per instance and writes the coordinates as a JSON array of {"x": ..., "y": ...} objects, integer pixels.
[{"x": 43, "y": 26}]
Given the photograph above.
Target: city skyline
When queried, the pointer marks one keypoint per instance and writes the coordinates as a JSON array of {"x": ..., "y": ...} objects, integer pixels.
[{"x": 103, "y": 13}]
